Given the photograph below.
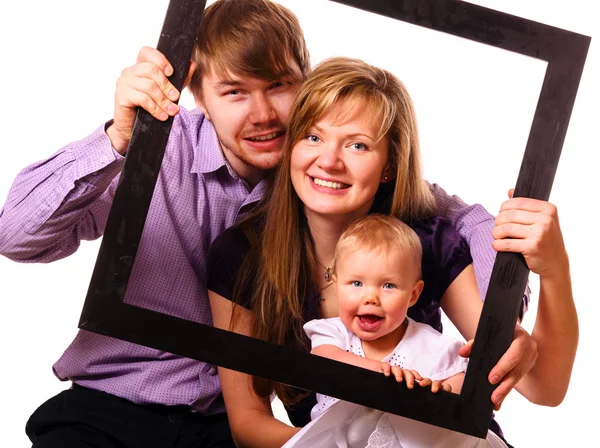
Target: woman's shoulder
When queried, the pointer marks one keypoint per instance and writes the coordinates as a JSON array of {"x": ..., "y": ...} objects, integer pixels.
[{"x": 226, "y": 256}]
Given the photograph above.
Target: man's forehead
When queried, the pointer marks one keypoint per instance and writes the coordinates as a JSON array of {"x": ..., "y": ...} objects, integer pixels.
[{"x": 227, "y": 78}]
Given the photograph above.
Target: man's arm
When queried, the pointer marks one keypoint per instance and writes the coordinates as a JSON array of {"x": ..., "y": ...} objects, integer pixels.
[
  {"x": 475, "y": 225},
  {"x": 56, "y": 203}
]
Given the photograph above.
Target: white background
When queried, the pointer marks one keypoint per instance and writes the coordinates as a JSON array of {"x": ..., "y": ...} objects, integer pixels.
[{"x": 60, "y": 61}]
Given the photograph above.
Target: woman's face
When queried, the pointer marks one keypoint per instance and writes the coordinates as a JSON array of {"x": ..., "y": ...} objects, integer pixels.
[{"x": 337, "y": 167}]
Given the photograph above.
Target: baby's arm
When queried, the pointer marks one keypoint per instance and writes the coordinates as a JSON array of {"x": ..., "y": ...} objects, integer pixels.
[{"x": 338, "y": 354}]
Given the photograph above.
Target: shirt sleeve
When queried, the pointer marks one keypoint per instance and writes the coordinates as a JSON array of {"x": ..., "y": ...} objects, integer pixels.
[
  {"x": 327, "y": 332},
  {"x": 475, "y": 225},
  {"x": 55, "y": 203}
]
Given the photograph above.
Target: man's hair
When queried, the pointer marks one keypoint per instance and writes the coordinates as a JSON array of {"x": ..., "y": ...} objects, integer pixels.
[
  {"x": 381, "y": 234},
  {"x": 256, "y": 38}
]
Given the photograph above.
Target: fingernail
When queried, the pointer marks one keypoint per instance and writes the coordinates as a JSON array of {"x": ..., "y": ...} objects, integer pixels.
[
  {"x": 168, "y": 70},
  {"x": 494, "y": 379},
  {"x": 172, "y": 109},
  {"x": 172, "y": 93}
]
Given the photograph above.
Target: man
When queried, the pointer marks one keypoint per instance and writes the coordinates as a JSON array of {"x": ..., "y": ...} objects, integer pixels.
[{"x": 250, "y": 58}]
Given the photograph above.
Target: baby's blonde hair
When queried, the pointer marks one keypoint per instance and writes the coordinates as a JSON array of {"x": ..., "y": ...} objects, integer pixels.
[{"x": 382, "y": 234}]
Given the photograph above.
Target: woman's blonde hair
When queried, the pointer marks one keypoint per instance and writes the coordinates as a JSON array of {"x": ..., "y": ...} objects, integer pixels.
[{"x": 285, "y": 275}]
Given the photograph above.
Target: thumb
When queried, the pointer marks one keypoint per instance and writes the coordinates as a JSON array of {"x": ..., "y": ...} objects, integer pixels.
[{"x": 465, "y": 350}]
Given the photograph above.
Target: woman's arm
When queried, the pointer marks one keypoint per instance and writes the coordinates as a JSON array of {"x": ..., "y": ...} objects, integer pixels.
[
  {"x": 462, "y": 305},
  {"x": 250, "y": 416},
  {"x": 532, "y": 228}
]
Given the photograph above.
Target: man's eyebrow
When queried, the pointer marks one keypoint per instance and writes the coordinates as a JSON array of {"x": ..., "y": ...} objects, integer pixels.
[{"x": 228, "y": 83}]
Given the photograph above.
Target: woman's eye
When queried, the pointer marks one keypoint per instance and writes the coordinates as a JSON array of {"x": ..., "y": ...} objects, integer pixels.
[
  {"x": 359, "y": 146},
  {"x": 312, "y": 138},
  {"x": 356, "y": 284},
  {"x": 389, "y": 286}
]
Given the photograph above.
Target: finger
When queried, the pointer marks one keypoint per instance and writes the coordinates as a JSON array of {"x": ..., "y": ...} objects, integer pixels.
[
  {"x": 143, "y": 100},
  {"x": 523, "y": 246},
  {"x": 511, "y": 230},
  {"x": 153, "y": 72},
  {"x": 425, "y": 382},
  {"x": 465, "y": 350},
  {"x": 447, "y": 387},
  {"x": 511, "y": 193},
  {"x": 397, "y": 372},
  {"x": 507, "y": 362},
  {"x": 416, "y": 374},
  {"x": 152, "y": 55},
  {"x": 409, "y": 377},
  {"x": 507, "y": 384},
  {"x": 154, "y": 91},
  {"x": 529, "y": 204},
  {"x": 385, "y": 368},
  {"x": 517, "y": 216},
  {"x": 435, "y": 386}
]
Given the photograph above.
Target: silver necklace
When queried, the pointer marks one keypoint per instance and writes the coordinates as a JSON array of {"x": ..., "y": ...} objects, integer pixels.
[{"x": 328, "y": 269}]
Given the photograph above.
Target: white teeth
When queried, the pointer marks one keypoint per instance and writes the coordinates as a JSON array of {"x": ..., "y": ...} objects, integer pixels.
[
  {"x": 265, "y": 137},
  {"x": 325, "y": 183}
]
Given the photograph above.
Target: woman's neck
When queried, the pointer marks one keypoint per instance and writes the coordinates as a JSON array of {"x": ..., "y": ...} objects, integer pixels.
[{"x": 325, "y": 232}]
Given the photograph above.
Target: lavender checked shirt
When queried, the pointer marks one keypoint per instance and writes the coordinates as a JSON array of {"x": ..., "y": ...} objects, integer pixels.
[{"x": 197, "y": 196}]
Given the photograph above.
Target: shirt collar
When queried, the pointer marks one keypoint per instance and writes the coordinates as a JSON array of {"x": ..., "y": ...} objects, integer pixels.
[{"x": 208, "y": 155}]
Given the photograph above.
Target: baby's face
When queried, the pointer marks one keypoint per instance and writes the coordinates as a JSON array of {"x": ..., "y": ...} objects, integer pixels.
[{"x": 374, "y": 292}]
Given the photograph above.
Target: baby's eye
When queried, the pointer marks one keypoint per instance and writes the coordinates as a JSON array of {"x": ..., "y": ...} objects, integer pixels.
[
  {"x": 312, "y": 138},
  {"x": 389, "y": 286},
  {"x": 356, "y": 283}
]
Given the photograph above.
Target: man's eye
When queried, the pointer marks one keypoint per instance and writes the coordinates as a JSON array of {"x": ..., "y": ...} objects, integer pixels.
[
  {"x": 356, "y": 284},
  {"x": 233, "y": 92},
  {"x": 389, "y": 286},
  {"x": 277, "y": 84}
]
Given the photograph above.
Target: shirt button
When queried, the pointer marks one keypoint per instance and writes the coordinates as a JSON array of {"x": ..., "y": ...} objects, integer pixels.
[{"x": 212, "y": 371}]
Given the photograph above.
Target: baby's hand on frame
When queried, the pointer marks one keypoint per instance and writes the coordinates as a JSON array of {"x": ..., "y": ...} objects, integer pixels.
[
  {"x": 435, "y": 385},
  {"x": 407, "y": 375}
]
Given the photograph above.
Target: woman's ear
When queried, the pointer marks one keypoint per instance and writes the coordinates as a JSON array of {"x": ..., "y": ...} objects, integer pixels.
[{"x": 388, "y": 175}]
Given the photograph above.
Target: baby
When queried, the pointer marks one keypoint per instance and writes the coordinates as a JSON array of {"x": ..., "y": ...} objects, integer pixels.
[{"x": 377, "y": 276}]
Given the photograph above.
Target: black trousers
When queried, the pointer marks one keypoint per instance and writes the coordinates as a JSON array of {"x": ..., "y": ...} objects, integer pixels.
[{"x": 81, "y": 418}]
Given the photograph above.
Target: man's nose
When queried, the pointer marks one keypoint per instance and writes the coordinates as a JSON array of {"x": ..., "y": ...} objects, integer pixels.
[{"x": 261, "y": 109}]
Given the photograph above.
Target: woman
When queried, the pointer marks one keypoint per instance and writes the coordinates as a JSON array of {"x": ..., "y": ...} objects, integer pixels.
[{"x": 351, "y": 150}]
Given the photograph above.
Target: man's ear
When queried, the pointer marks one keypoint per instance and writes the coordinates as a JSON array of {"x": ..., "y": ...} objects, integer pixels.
[
  {"x": 416, "y": 292},
  {"x": 191, "y": 71},
  {"x": 197, "y": 95}
]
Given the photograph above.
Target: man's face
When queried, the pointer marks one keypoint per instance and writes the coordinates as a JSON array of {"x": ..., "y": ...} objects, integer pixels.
[{"x": 250, "y": 116}]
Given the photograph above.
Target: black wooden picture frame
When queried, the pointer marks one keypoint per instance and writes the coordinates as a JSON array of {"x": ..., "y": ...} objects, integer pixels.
[{"x": 470, "y": 412}]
